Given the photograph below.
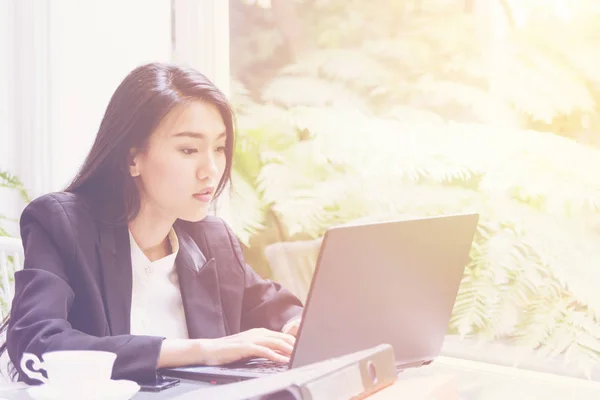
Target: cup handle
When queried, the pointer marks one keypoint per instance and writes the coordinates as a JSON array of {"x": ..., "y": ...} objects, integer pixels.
[{"x": 37, "y": 365}]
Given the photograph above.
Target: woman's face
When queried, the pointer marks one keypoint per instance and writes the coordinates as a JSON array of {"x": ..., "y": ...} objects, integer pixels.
[{"x": 181, "y": 166}]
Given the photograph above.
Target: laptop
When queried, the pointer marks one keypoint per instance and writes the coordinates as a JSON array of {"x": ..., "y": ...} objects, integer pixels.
[{"x": 385, "y": 282}]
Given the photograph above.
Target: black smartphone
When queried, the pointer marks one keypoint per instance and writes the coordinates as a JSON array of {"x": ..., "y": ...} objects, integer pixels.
[{"x": 161, "y": 384}]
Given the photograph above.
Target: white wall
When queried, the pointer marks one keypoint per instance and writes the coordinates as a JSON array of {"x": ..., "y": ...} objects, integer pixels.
[
  {"x": 93, "y": 45},
  {"x": 7, "y": 157},
  {"x": 202, "y": 38},
  {"x": 9, "y": 200},
  {"x": 61, "y": 60}
]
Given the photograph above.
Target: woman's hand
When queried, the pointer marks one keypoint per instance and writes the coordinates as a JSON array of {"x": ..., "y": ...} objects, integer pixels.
[
  {"x": 292, "y": 326},
  {"x": 254, "y": 343}
]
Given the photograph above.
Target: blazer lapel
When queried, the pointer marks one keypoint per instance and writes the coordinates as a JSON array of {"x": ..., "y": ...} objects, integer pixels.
[
  {"x": 115, "y": 258},
  {"x": 199, "y": 285}
]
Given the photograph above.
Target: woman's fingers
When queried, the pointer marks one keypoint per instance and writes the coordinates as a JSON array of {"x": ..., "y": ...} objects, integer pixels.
[
  {"x": 288, "y": 338},
  {"x": 280, "y": 335},
  {"x": 265, "y": 352},
  {"x": 278, "y": 345},
  {"x": 255, "y": 343}
]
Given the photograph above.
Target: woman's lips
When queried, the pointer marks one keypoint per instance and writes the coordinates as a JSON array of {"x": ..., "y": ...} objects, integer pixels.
[{"x": 205, "y": 198}]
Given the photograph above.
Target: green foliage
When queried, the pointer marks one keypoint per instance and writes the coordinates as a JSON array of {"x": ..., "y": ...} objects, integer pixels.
[
  {"x": 416, "y": 108},
  {"x": 533, "y": 243},
  {"x": 431, "y": 54},
  {"x": 10, "y": 181}
]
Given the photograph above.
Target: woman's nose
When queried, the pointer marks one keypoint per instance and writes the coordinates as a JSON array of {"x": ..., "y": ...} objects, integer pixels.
[{"x": 209, "y": 168}]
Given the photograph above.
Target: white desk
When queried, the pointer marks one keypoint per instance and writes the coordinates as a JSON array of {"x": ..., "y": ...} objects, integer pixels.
[{"x": 474, "y": 381}]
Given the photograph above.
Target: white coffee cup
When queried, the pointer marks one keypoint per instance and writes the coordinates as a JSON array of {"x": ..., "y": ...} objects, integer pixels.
[{"x": 71, "y": 368}]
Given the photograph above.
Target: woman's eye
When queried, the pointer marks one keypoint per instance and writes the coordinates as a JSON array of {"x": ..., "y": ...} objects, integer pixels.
[
  {"x": 189, "y": 151},
  {"x": 220, "y": 149}
]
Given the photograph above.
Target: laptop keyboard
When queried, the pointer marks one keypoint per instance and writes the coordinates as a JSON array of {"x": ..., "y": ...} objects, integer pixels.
[{"x": 260, "y": 365}]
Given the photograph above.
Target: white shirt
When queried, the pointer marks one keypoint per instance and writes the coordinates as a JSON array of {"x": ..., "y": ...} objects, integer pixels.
[{"x": 156, "y": 305}]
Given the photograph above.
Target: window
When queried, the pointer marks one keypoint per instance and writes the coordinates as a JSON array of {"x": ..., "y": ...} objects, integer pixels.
[{"x": 353, "y": 109}]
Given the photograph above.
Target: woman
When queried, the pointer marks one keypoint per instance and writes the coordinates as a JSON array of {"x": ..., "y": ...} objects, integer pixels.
[{"x": 127, "y": 259}]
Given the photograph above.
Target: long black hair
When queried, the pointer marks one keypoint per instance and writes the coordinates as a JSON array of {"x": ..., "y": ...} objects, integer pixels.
[
  {"x": 142, "y": 100},
  {"x": 138, "y": 105}
]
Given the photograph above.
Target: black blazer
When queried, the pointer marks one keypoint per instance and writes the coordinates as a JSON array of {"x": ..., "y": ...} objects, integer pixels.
[{"x": 74, "y": 291}]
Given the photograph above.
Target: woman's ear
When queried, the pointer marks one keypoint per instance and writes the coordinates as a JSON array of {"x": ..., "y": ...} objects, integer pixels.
[{"x": 133, "y": 164}]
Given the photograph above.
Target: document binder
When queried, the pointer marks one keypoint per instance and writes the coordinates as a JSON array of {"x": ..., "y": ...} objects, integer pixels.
[{"x": 353, "y": 376}]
